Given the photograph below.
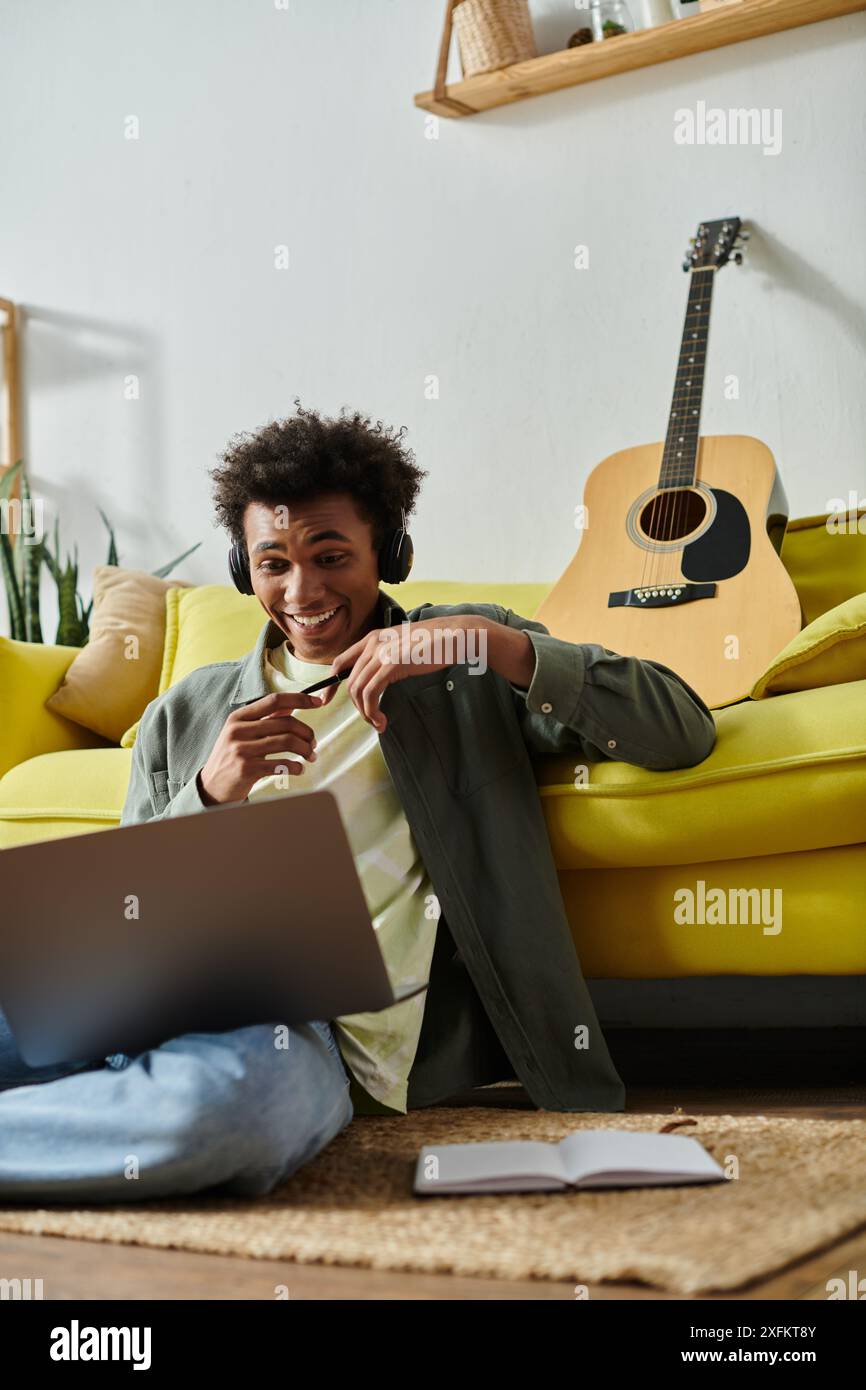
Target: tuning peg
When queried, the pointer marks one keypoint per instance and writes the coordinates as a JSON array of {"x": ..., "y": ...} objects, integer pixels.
[
  {"x": 738, "y": 257},
  {"x": 686, "y": 263},
  {"x": 743, "y": 235}
]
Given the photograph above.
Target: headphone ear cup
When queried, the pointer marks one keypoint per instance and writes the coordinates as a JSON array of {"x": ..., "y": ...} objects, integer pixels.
[
  {"x": 395, "y": 557},
  {"x": 239, "y": 569},
  {"x": 407, "y": 555}
]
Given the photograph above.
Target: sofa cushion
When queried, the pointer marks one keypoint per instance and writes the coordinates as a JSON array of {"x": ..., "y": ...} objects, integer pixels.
[
  {"x": 786, "y": 775},
  {"x": 29, "y": 674},
  {"x": 829, "y": 651},
  {"x": 68, "y": 793},
  {"x": 803, "y": 915}
]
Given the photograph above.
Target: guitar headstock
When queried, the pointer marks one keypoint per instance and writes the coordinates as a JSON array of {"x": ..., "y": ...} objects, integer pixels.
[{"x": 712, "y": 247}]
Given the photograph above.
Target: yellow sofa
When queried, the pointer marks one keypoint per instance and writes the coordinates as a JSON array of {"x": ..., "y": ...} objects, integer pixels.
[{"x": 780, "y": 805}]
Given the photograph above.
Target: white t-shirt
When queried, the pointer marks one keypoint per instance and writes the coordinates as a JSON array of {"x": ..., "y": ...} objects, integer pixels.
[{"x": 379, "y": 1048}]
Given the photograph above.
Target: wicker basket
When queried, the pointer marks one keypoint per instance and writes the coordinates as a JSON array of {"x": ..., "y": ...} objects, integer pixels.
[{"x": 493, "y": 34}]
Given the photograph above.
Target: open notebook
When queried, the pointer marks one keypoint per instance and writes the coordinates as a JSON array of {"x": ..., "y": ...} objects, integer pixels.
[{"x": 585, "y": 1158}]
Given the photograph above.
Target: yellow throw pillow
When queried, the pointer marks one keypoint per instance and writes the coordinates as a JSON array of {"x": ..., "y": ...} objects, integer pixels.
[
  {"x": 830, "y": 651},
  {"x": 116, "y": 674},
  {"x": 212, "y": 622},
  {"x": 208, "y": 623}
]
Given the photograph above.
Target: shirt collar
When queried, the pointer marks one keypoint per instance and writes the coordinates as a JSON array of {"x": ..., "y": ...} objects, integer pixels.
[{"x": 251, "y": 683}]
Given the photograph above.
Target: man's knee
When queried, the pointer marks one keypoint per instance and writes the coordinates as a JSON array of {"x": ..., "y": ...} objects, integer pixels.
[{"x": 259, "y": 1103}]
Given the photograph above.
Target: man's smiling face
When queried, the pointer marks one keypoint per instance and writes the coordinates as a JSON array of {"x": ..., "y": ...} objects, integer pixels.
[{"x": 307, "y": 559}]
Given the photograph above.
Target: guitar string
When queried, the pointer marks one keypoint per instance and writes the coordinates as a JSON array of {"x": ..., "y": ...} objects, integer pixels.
[
  {"x": 699, "y": 291},
  {"x": 654, "y": 559},
  {"x": 702, "y": 331},
  {"x": 671, "y": 499},
  {"x": 657, "y": 505},
  {"x": 676, "y": 501},
  {"x": 673, "y": 502}
]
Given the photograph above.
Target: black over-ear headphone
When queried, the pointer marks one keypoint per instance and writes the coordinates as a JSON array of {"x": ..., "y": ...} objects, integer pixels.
[{"x": 395, "y": 559}]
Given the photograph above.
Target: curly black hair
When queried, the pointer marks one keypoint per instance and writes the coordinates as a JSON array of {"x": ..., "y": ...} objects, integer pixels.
[{"x": 291, "y": 460}]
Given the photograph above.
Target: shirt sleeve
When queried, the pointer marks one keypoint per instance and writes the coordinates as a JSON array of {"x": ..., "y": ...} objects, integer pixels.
[{"x": 586, "y": 699}]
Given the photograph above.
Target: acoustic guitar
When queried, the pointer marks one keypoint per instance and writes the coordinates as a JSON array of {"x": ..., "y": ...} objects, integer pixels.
[{"x": 678, "y": 559}]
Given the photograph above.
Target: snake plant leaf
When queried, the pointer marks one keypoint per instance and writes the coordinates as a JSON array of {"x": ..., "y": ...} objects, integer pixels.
[
  {"x": 112, "y": 546},
  {"x": 167, "y": 569},
  {"x": 31, "y": 565},
  {"x": 24, "y": 493},
  {"x": 12, "y": 562},
  {"x": 84, "y": 619},
  {"x": 70, "y": 631},
  {"x": 30, "y": 595},
  {"x": 52, "y": 564},
  {"x": 8, "y": 478},
  {"x": 13, "y": 593}
]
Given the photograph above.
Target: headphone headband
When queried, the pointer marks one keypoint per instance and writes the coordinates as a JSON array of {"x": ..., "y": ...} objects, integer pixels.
[{"x": 395, "y": 554}]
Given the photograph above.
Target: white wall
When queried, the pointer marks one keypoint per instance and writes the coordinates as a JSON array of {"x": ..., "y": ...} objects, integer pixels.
[{"x": 409, "y": 257}]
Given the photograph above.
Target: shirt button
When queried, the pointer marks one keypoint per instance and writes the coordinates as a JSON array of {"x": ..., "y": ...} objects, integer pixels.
[
  {"x": 546, "y": 707},
  {"x": 611, "y": 743},
  {"x": 449, "y": 685}
]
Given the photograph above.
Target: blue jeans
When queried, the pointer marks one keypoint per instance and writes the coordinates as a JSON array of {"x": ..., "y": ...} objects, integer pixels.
[{"x": 231, "y": 1112}]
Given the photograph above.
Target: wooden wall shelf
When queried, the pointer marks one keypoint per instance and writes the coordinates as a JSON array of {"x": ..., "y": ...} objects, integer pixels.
[{"x": 749, "y": 19}]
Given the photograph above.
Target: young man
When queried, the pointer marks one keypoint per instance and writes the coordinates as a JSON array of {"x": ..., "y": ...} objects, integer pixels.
[{"x": 428, "y": 756}]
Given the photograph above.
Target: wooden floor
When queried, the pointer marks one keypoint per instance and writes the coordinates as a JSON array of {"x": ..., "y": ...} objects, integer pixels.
[{"x": 823, "y": 1080}]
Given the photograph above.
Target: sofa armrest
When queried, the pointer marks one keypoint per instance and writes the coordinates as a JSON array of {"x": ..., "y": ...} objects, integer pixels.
[{"x": 29, "y": 673}]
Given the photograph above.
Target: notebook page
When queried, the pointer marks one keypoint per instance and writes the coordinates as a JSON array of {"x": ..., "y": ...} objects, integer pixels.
[
  {"x": 491, "y": 1162},
  {"x": 590, "y": 1152}
]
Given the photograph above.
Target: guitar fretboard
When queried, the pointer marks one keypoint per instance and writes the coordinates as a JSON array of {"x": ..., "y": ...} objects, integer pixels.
[{"x": 679, "y": 458}]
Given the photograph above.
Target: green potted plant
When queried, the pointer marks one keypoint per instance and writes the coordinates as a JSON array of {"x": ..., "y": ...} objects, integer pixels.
[{"x": 22, "y": 567}]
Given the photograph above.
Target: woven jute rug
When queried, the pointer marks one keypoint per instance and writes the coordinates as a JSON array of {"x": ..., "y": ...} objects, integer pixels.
[{"x": 800, "y": 1187}]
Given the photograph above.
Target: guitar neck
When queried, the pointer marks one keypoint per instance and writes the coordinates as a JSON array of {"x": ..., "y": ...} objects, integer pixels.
[{"x": 679, "y": 458}]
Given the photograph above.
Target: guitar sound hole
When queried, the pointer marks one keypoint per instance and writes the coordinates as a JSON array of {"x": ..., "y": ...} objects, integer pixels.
[{"x": 673, "y": 514}]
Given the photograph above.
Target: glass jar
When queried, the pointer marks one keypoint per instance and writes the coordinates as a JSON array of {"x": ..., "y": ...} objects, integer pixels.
[
  {"x": 609, "y": 18},
  {"x": 649, "y": 13}
]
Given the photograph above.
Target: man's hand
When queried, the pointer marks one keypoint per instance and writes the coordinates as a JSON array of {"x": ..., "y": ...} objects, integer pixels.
[
  {"x": 266, "y": 726},
  {"x": 390, "y": 654}
]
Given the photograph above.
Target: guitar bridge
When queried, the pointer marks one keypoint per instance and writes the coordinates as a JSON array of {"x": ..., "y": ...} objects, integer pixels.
[{"x": 660, "y": 595}]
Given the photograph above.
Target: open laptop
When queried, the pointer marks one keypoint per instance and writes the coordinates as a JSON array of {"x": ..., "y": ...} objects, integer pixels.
[{"x": 244, "y": 913}]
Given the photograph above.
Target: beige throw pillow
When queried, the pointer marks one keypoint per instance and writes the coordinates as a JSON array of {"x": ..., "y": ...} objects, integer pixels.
[{"x": 115, "y": 676}]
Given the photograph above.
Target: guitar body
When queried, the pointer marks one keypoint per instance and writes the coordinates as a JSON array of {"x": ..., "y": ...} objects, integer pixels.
[{"x": 721, "y": 533}]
